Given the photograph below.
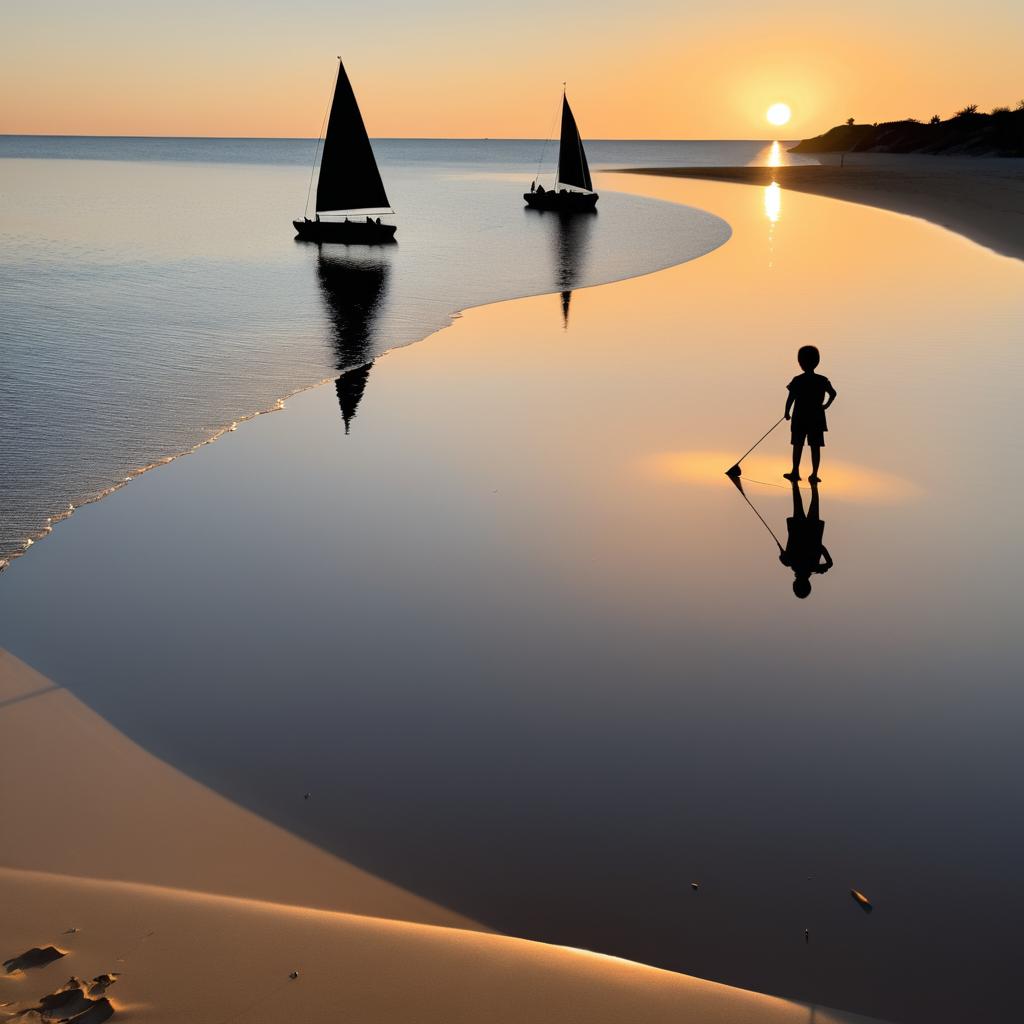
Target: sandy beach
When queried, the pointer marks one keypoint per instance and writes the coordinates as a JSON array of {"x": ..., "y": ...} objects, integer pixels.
[
  {"x": 979, "y": 198},
  {"x": 200, "y": 910}
]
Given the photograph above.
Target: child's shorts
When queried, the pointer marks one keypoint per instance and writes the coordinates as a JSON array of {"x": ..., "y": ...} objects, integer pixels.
[{"x": 815, "y": 438}]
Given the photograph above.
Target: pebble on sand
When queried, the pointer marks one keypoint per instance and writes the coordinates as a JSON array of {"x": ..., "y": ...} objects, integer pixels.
[{"x": 862, "y": 901}]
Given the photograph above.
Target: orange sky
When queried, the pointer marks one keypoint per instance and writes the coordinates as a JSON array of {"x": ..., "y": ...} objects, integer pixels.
[{"x": 649, "y": 69}]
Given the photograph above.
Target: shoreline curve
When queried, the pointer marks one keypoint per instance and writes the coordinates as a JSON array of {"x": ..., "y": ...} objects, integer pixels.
[
  {"x": 279, "y": 403},
  {"x": 984, "y": 204}
]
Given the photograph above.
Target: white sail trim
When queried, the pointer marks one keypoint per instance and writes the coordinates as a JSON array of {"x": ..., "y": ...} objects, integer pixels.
[
  {"x": 560, "y": 187},
  {"x": 362, "y": 212}
]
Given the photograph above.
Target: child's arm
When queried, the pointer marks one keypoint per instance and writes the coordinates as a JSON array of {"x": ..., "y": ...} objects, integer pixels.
[
  {"x": 828, "y": 561},
  {"x": 831, "y": 392},
  {"x": 789, "y": 405}
]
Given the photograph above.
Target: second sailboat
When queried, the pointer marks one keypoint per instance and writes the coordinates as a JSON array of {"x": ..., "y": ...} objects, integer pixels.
[{"x": 573, "y": 190}]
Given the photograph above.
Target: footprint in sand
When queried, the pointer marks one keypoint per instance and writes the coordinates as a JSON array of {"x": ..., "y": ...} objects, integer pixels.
[
  {"x": 72, "y": 1003},
  {"x": 37, "y": 956}
]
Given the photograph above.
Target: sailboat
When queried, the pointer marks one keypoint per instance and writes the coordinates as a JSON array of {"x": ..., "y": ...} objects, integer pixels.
[
  {"x": 573, "y": 191},
  {"x": 350, "y": 195}
]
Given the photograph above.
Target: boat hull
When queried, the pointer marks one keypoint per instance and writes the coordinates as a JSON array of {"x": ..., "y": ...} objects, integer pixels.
[
  {"x": 347, "y": 232},
  {"x": 563, "y": 202}
]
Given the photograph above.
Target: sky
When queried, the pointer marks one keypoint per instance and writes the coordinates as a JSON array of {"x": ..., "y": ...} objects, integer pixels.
[{"x": 455, "y": 69}]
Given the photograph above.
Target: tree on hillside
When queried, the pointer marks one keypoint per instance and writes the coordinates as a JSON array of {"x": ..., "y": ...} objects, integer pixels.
[
  {"x": 968, "y": 110},
  {"x": 849, "y": 121},
  {"x": 935, "y": 119}
]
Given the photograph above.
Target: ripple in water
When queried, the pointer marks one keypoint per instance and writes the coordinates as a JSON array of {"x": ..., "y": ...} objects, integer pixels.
[{"x": 154, "y": 299}]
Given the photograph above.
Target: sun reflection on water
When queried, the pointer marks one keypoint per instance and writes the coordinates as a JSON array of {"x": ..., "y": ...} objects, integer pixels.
[
  {"x": 843, "y": 481},
  {"x": 773, "y": 202},
  {"x": 775, "y": 155}
]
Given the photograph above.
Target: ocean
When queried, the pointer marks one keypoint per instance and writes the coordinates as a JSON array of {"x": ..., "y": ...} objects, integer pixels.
[{"x": 154, "y": 296}]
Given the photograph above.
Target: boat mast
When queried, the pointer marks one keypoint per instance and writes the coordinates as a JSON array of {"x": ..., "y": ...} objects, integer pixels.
[
  {"x": 544, "y": 148},
  {"x": 561, "y": 142},
  {"x": 320, "y": 137}
]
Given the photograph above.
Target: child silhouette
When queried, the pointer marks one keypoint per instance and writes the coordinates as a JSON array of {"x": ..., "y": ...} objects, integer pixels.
[{"x": 806, "y": 399}]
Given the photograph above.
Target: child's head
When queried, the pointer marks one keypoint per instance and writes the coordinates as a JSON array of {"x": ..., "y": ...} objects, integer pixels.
[
  {"x": 808, "y": 357},
  {"x": 802, "y": 586}
]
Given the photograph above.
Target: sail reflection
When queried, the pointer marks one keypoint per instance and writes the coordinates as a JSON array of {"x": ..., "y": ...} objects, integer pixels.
[
  {"x": 570, "y": 239},
  {"x": 353, "y": 291}
]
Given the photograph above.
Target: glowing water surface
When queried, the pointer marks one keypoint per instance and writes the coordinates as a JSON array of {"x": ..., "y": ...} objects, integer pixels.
[{"x": 536, "y": 658}]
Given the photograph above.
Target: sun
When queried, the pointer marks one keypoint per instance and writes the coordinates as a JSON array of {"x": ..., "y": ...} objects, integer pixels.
[{"x": 778, "y": 114}]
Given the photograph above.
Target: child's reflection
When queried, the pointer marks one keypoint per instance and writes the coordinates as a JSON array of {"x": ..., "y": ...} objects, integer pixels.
[{"x": 804, "y": 552}]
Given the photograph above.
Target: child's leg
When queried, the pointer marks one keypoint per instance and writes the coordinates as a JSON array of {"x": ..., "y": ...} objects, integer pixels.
[
  {"x": 798, "y": 450},
  {"x": 815, "y": 460}
]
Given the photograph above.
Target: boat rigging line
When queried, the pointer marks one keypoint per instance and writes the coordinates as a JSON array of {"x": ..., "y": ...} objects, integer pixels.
[
  {"x": 551, "y": 131},
  {"x": 320, "y": 137}
]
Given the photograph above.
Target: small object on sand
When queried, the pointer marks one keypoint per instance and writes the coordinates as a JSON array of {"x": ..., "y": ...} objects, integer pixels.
[
  {"x": 293, "y": 975},
  {"x": 71, "y": 931},
  {"x": 64, "y": 1004},
  {"x": 102, "y": 982},
  {"x": 807, "y": 936},
  {"x": 695, "y": 886},
  {"x": 34, "y": 957},
  {"x": 862, "y": 901},
  {"x": 305, "y": 796},
  {"x": 73, "y": 982},
  {"x": 70, "y": 1003}
]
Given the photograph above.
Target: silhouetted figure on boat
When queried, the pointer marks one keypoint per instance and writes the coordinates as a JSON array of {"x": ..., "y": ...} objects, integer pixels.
[
  {"x": 805, "y": 552},
  {"x": 807, "y": 403}
]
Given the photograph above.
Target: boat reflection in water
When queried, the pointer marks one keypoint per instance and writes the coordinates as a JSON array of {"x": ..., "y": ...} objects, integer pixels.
[
  {"x": 570, "y": 239},
  {"x": 353, "y": 291}
]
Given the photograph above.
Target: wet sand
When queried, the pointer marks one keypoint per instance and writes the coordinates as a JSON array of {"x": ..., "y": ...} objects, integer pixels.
[
  {"x": 538, "y": 665},
  {"x": 981, "y": 199},
  {"x": 195, "y": 909}
]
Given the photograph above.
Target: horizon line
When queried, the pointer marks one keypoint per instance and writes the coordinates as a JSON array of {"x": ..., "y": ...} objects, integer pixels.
[{"x": 379, "y": 138}]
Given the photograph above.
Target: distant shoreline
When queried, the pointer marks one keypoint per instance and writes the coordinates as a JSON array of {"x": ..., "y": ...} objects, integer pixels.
[{"x": 983, "y": 202}]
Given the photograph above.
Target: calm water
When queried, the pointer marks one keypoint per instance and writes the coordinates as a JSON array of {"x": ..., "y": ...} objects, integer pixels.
[
  {"x": 152, "y": 293},
  {"x": 535, "y": 658}
]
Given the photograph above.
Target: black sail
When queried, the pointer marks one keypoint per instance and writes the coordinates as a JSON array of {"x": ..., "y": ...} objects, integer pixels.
[
  {"x": 349, "y": 178},
  {"x": 572, "y": 161}
]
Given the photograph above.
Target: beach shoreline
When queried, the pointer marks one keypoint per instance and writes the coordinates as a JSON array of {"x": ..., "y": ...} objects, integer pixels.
[
  {"x": 496, "y": 967},
  {"x": 199, "y": 909},
  {"x": 414, "y": 319},
  {"x": 982, "y": 201}
]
